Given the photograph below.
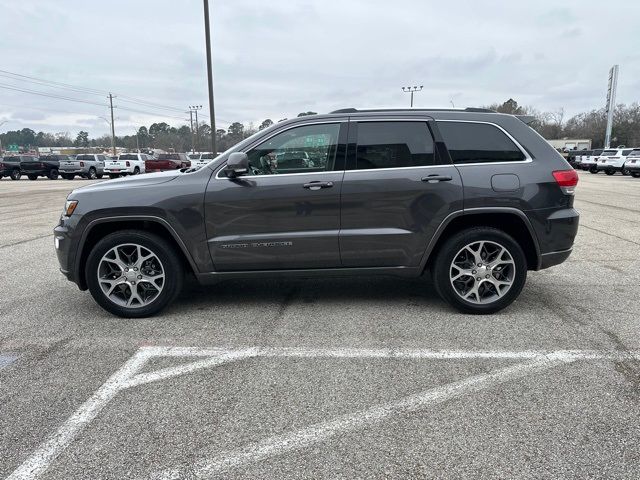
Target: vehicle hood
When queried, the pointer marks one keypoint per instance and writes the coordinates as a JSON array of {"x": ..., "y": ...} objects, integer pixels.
[{"x": 131, "y": 182}]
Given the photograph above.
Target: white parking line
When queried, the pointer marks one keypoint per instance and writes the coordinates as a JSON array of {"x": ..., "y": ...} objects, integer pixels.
[
  {"x": 127, "y": 376},
  {"x": 6, "y": 360}
]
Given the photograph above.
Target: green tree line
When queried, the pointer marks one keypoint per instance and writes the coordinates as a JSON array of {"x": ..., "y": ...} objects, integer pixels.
[{"x": 551, "y": 125}]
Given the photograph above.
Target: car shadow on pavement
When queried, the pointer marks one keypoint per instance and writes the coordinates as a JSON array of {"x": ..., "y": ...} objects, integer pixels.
[{"x": 316, "y": 290}]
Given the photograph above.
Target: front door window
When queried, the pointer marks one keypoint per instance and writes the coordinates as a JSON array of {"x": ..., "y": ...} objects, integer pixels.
[{"x": 306, "y": 149}]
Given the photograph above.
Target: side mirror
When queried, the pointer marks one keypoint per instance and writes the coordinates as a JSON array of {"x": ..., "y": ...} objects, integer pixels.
[{"x": 237, "y": 164}]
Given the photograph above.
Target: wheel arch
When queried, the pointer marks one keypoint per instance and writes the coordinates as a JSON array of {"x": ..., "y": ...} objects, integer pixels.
[
  {"x": 99, "y": 228},
  {"x": 510, "y": 220}
]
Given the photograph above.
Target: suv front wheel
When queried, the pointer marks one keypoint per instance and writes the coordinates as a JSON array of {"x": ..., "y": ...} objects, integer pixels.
[
  {"x": 480, "y": 270},
  {"x": 133, "y": 273}
]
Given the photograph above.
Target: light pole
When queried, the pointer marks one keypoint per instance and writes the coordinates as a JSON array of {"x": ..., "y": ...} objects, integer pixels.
[
  {"x": 195, "y": 108},
  {"x": 212, "y": 116},
  {"x": 412, "y": 90}
]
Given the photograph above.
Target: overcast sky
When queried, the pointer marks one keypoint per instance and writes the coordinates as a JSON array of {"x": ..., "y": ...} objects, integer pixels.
[{"x": 276, "y": 58}]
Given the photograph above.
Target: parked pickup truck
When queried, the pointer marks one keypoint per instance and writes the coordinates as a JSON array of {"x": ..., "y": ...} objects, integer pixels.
[
  {"x": 10, "y": 166},
  {"x": 89, "y": 166},
  {"x": 44, "y": 166},
  {"x": 126, "y": 164},
  {"x": 167, "y": 161}
]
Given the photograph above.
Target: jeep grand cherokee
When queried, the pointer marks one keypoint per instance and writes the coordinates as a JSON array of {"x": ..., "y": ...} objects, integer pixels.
[{"x": 474, "y": 197}]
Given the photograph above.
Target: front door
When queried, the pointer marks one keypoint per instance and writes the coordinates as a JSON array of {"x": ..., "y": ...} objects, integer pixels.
[
  {"x": 396, "y": 192},
  {"x": 285, "y": 213}
]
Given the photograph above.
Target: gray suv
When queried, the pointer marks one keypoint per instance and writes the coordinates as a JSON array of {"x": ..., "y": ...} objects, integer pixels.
[{"x": 473, "y": 197}]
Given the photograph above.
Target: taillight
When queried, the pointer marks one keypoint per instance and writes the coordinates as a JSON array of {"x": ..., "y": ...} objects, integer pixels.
[
  {"x": 566, "y": 180},
  {"x": 82, "y": 164},
  {"x": 128, "y": 164}
]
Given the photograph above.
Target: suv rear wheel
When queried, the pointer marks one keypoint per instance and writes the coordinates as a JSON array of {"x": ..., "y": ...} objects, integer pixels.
[
  {"x": 15, "y": 174},
  {"x": 133, "y": 273},
  {"x": 480, "y": 270}
]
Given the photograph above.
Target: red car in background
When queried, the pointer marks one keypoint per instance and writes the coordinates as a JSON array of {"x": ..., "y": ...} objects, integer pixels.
[{"x": 167, "y": 161}]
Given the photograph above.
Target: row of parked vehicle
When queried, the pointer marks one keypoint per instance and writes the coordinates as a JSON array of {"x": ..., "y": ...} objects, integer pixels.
[
  {"x": 94, "y": 166},
  {"x": 611, "y": 160}
]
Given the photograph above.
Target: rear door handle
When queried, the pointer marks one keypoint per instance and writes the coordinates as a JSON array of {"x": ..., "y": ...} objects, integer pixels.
[
  {"x": 318, "y": 185},
  {"x": 436, "y": 178}
]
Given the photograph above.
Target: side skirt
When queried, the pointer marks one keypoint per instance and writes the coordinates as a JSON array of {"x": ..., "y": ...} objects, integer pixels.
[{"x": 214, "y": 277}]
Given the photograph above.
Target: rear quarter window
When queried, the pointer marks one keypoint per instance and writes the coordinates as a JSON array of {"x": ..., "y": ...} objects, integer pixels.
[{"x": 473, "y": 142}]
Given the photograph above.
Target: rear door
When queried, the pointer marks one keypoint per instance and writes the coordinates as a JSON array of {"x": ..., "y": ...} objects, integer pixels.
[
  {"x": 273, "y": 219},
  {"x": 396, "y": 191}
]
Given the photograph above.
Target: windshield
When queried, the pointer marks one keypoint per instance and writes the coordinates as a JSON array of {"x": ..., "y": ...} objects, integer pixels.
[
  {"x": 194, "y": 156},
  {"x": 84, "y": 157},
  {"x": 128, "y": 157},
  {"x": 609, "y": 153},
  {"x": 168, "y": 156}
]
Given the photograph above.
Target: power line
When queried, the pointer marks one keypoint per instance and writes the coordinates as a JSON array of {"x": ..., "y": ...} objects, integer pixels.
[
  {"x": 50, "y": 95},
  {"x": 75, "y": 88},
  {"x": 59, "y": 84}
]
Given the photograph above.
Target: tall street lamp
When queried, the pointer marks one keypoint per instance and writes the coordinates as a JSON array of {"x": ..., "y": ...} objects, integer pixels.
[{"x": 411, "y": 90}]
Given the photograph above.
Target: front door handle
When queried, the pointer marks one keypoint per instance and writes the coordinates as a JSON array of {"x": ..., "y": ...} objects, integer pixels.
[
  {"x": 318, "y": 185},
  {"x": 436, "y": 178}
]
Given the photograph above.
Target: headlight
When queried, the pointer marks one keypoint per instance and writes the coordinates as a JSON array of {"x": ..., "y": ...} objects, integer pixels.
[{"x": 69, "y": 207}]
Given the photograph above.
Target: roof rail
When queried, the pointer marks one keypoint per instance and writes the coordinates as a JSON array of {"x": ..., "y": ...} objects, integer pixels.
[{"x": 468, "y": 109}]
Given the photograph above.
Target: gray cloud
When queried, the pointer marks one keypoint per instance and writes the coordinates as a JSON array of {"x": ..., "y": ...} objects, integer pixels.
[{"x": 275, "y": 59}]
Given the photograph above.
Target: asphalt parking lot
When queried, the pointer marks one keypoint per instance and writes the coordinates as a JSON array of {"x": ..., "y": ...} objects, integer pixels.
[{"x": 336, "y": 378}]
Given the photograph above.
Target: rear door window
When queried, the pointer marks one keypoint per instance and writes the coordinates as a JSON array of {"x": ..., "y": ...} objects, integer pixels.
[
  {"x": 394, "y": 145},
  {"x": 473, "y": 142}
]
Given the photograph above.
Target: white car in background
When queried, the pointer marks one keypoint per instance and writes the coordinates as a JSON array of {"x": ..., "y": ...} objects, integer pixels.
[
  {"x": 633, "y": 163},
  {"x": 612, "y": 160},
  {"x": 588, "y": 162},
  {"x": 199, "y": 160},
  {"x": 126, "y": 164}
]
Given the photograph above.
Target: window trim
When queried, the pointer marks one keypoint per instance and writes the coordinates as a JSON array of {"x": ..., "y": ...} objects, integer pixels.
[
  {"x": 527, "y": 157},
  {"x": 339, "y": 122}
]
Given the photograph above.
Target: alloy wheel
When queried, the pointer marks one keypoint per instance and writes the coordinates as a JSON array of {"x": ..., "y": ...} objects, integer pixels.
[
  {"x": 482, "y": 272},
  {"x": 131, "y": 275}
]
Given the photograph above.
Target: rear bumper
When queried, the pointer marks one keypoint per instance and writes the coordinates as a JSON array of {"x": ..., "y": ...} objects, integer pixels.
[
  {"x": 556, "y": 230},
  {"x": 76, "y": 170},
  {"x": 554, "y": 258},
  {"x": 604, "y": 166}
]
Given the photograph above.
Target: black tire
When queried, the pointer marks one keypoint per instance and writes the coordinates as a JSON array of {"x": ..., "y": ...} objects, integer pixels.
[
  {"x": 67, "y": 176},
  {"x": 136, "y": 171},
  {"x": 635, "y": 174},
  {"x": 91, "y": 175},
  {"x": 15, "y": 174},
  {"x": 32, "y": 177},
  {"x": 53, "y": 174},
  {"x": 451, "y": 248},
  {"x": 625, "y": 172},
  {"x": 609, "y": 172},
  {"x": 173, "y": 270},
  {"x": 98, "y": 176},
  {"x": 593, "y": 169},
  {"x": 114, "y": 175}
]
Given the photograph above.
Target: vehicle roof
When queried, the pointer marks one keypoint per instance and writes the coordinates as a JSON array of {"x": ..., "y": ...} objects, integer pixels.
[{"x": 475, "y": 114}]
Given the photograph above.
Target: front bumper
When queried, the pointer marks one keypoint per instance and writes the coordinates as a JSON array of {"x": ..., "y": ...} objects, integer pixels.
[{"x": 62, "y": 244}]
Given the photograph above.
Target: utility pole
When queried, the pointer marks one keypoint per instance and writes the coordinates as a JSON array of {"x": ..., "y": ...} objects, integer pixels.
[
  {"x": 207, "y": 34},
  {"x": 195, "y": 108},
  {"x": 193, "y": 145},
  {"x": 137, "y": 141},
  {"x": 411, "y": 90},
  {"x": 113, "y": 129}
]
